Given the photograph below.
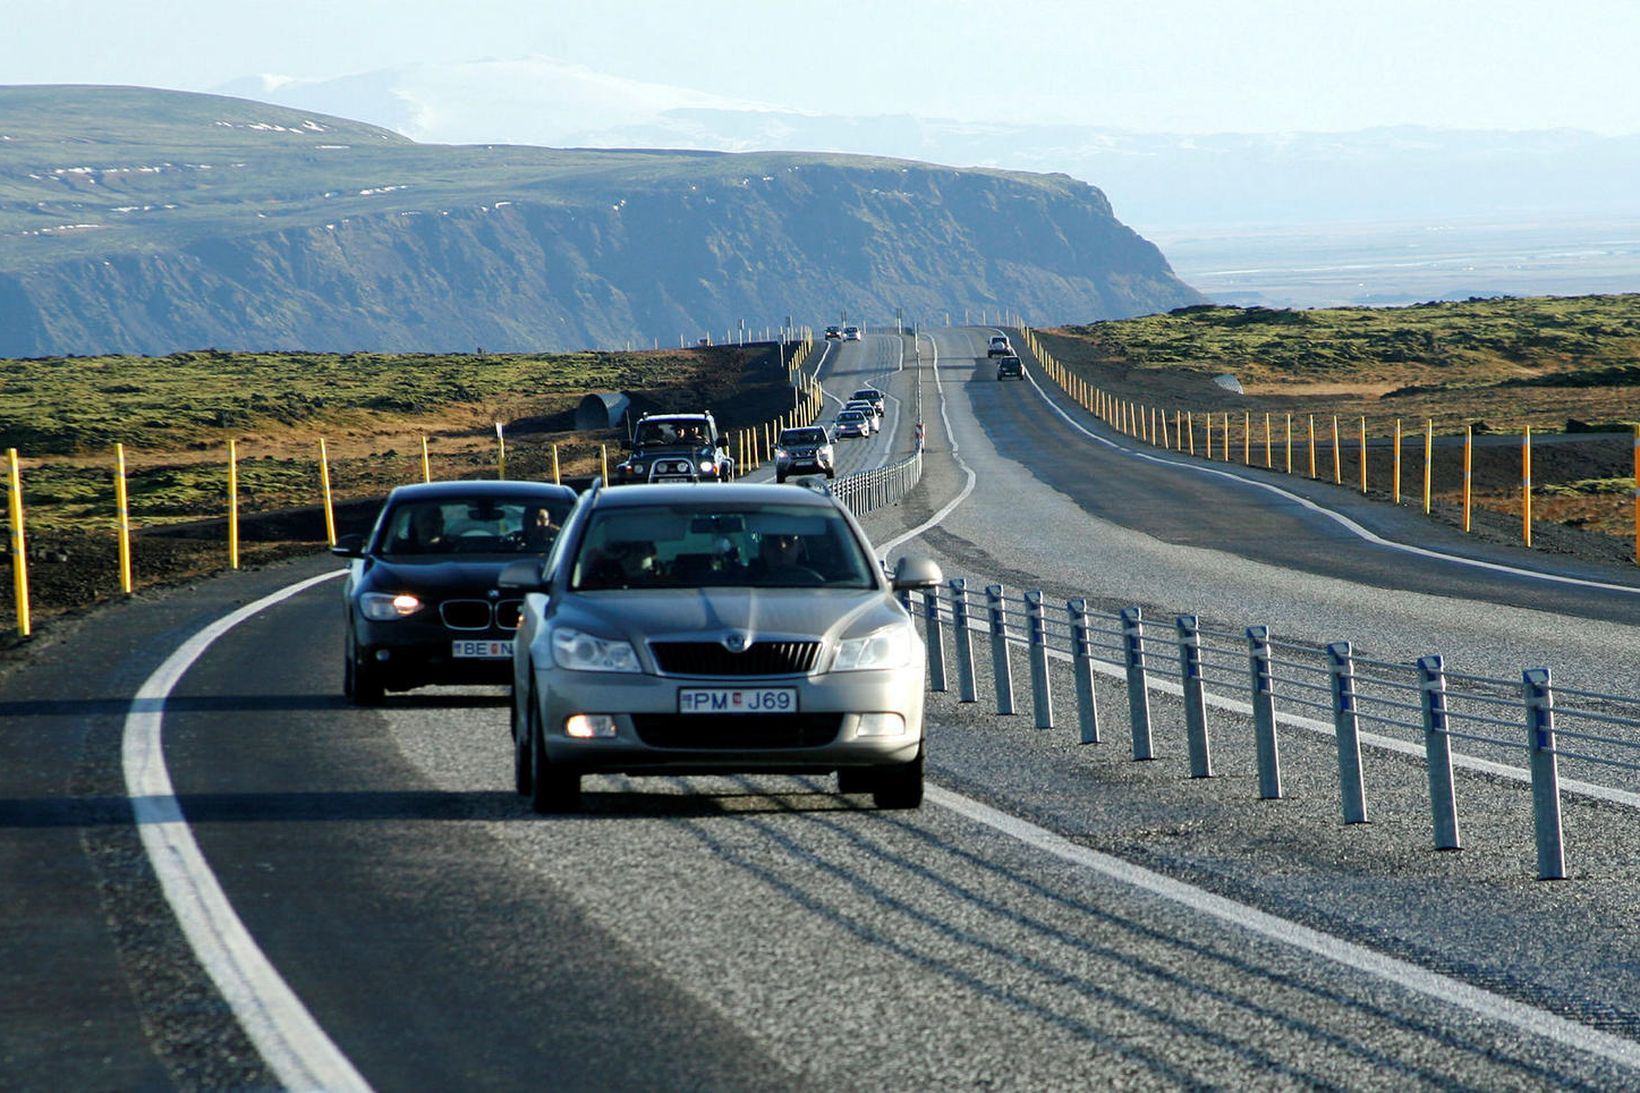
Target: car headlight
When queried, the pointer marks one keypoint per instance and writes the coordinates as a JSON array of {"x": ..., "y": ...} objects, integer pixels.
[
  {"x": 781, "y": 453},
  {"x": 583, "y": 652},
  {"x": 386, "y": 606},
  {"x": 889, "y": 647},
  {"x": 707, "y": 466}
]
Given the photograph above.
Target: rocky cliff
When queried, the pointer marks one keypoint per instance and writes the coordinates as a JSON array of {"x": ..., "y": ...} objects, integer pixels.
[{"x": 220, "y": 222}]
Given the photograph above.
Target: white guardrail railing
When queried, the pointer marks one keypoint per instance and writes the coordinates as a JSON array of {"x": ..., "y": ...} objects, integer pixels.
[
  {"x": 1328, "y": 688},
  {"x": 864, "y": 491}
]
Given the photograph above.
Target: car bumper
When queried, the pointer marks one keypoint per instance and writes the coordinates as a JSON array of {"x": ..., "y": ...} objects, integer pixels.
[
  {"x": 652, "y": 737},
  {"x": 410, "y": 655}
]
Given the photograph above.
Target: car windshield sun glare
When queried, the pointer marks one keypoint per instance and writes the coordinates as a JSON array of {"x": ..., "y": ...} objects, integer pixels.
[
  {"x": 581, "y": 652},
  {"x": 889, "y": 647}
]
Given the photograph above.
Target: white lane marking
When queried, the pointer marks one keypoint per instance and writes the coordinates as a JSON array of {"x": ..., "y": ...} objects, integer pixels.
[
  {"x": 289, "y": 1040},
  {"x": 894, "y": 422},
  {"x": 883, "y": 549},
  {"x": 1496, "y": 1007},
  {"x": 1339, "y": 518}
]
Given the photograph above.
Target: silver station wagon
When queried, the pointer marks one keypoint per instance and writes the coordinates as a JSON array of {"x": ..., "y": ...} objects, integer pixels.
[{"x": 682, "y": 629}]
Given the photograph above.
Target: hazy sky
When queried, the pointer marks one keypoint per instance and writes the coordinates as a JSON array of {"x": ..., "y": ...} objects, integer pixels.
[{"x": 1168, "y": 65}]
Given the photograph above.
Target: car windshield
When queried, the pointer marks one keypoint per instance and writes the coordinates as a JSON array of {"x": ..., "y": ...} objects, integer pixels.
[
  {"x": 472, "y": 525},
  {"x": 803, "y": 436},
  {"x": 868, "y": 394},
  {"x": 660, "y": 433},
  {"x": 703, "y": 545},
  {"x": 851, "y": 415}
]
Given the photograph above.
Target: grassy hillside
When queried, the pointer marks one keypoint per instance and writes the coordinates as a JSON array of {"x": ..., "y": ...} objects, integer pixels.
[
  {"x": 1497, "y": 366},
  {"x": 1505, "y": 362}
]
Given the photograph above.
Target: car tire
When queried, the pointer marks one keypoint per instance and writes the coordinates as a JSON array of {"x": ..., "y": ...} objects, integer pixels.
[
  {"x": 899, "y": 787},
  {"x": 780, "y": 478},
  {"x": 552, "y": 789},
  {"x": 522, "y": 781},
  {"x": 361, "y": 680},
  {"x": 830, "y": 474}
]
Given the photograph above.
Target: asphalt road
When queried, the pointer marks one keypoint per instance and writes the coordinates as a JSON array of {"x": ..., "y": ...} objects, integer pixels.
[{"x": 1056, "y": 916}]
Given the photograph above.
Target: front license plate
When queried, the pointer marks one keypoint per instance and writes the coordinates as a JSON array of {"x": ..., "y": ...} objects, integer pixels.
[
  {"x": 482, "y": 650},
  {"x": 725, "y": 700}
]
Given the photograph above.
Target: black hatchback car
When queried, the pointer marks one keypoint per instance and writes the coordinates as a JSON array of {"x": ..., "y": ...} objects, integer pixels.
[{"x": 420, "y": 598}]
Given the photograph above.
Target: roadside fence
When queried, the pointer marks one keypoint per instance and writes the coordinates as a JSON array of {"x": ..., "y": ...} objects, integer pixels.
[
  {"x": 1414, "y": 708},
  {"x": 1272, "y": 446}
]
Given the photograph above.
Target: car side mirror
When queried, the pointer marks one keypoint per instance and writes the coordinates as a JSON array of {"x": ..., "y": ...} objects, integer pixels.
[
  {"x": 912, "y": 573},
  {"x": 348, "y": 546},
  {"x": 524, "y": 575}
]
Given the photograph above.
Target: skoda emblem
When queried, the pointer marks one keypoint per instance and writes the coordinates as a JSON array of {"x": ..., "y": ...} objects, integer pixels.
[{"x": 736, "y": 641}]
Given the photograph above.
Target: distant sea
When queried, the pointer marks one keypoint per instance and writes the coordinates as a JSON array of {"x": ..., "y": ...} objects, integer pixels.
[{"x": 1396, "y": 263}]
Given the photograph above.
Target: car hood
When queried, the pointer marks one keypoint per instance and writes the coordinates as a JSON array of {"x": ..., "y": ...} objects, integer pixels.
[
  {"x": 709, "y": 614},
  {"x": 437, "y": 575}
]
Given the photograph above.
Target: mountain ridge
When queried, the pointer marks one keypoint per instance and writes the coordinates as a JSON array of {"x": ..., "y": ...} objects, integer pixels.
[{"x": 171, "y": 220}]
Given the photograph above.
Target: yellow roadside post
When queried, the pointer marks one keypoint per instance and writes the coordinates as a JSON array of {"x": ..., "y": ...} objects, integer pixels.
[
  {"x": 1429, "y": 449},
  {"x": 1165, "y": 443},
  {"x": 426, "y": 468},
  {"x": 1397, "y": 462},
  {"x": 555, "y": 479},
  {"x": 122, "y": 517},
  {"x": 19, "y": 556},
  {"x": 1637, "y": 495},
  {"x": 233, "y": 505},
  {"x": 1312, "y": 446},
  {"x": 1526, "y": 486},
  {"x": 1178, "y": 434},
  {"x": 1269, "y": 449},
  {"x": 603, "y": 462},
  {"x": 1246, "y": 439},
  {"x": 1338, "y": 470},
  {"x": 1289, "y": 443},
  {"x": 1363, "y": 455},
  {"x": 1468, "y": 444},
  {"x": 324, "y": 487},
  {"x": 1190, "y": 426},
  {"x": 500, "y": 454}
]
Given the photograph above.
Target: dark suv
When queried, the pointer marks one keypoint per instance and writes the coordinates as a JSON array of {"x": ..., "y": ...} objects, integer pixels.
[
  {"x": 1010, "y": 368},
  {"x": 675, "y": 448}
]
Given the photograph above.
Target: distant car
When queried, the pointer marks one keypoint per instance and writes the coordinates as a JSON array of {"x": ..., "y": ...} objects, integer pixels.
[
  {"x": 1010, "y": 368},
  {"x": 834, "y": 332},
  {"x": 420, "y": 600},
  {"x": 679, "y": 631},
  {"x": 675, "y": 448},
  {"x": 865, "y": 406},
  {"x": 851, "y": 423},
  {"x": 805, "y": 450},
  {"x": 870, "y": 394},
  {"x": 851, "y": 334},
  {"x": 1000, "y": 346}
]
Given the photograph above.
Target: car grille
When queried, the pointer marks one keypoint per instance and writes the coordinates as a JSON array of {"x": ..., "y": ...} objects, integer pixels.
[
  {"x": 480, "y": 614},
  {"x": 746, "y": 732},
  {"x": 710, "y": 658}
]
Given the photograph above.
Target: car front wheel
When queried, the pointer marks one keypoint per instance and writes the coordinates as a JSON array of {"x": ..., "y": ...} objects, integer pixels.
[
  {"x": 361, "y": 680},
  {"x": 521, "y": 750},
  {"x": 899, "y": 787},
  {"x": 552, "y": 789}
]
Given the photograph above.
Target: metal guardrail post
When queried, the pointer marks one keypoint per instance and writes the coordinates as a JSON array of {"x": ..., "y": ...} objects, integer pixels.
[
  {"x": 1195, "y": 705},
  {"x": 964, "y": 642},
  {"x": 1352, "y": 792},
  {"x": 1540, "y": 734},
  {"x": 1133, "y": 652},
  {"x": 1041, "y": 695},
  {"x": 1443, "y": 805},
  {"x": 1264, "y": 712},
  {"x": 1001, "y": 665},
  {"x": 1087, "y": 703},
  {"x": 935, "y": 638}
]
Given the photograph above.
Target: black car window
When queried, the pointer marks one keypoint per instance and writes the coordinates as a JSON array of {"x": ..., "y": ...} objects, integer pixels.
[{"x": 689, "y": 546}]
